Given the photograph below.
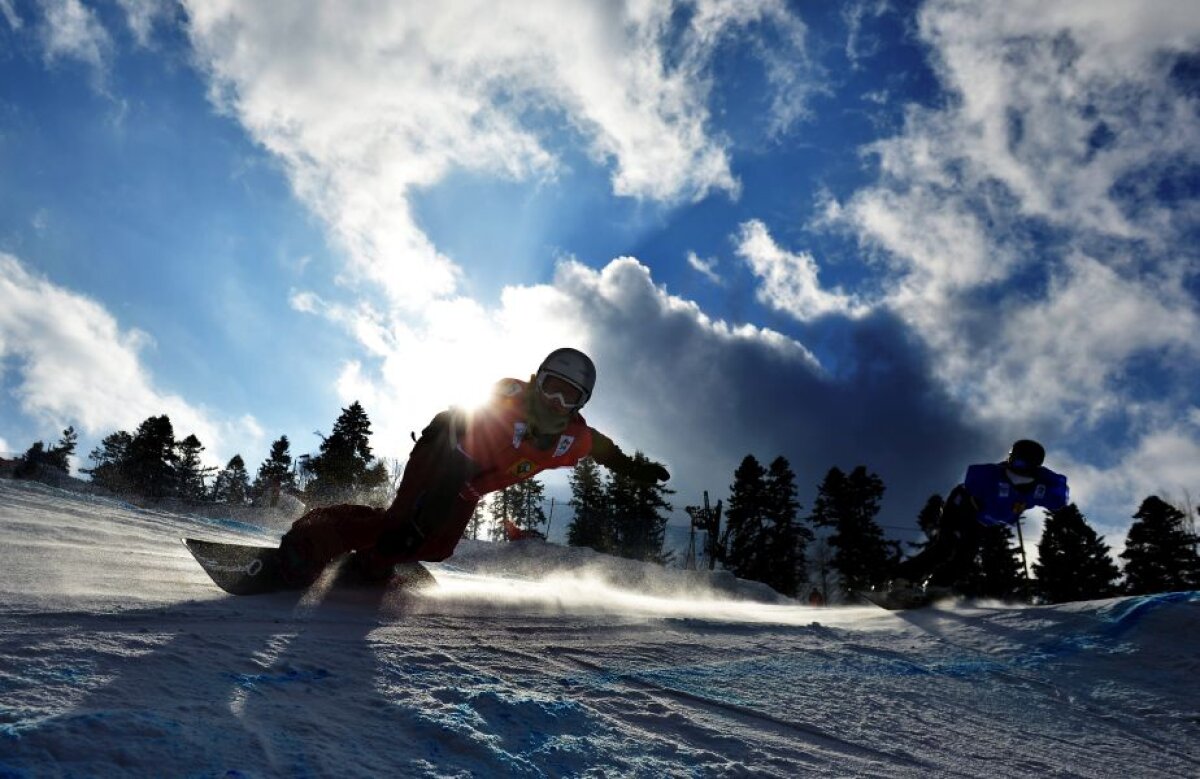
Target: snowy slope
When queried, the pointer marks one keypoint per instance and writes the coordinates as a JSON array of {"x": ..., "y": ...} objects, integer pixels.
[{"x": 117, "y": 657}]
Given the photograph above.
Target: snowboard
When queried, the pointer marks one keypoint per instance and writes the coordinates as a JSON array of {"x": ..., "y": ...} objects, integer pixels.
[{"x": 242, "y": 569}]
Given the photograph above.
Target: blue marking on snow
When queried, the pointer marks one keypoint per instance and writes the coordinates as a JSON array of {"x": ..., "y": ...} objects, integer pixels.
[
  {"x": 957, "y": 667},
  {"x": 1129, "y": 613},
  {"x": 1116, "y": 621},
  {"x": 69, "y": 674},
  {"x": 16, "y": 721},
  {"x": 33, "y": 675},
  {"x": 253, "y": 681},
  {"x": 728, "y": 683},
  {"x": 235, "y": 525}
]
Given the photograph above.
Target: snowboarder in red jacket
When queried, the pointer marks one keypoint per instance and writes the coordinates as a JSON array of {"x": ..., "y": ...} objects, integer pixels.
[{"x": 525, "y": 428}]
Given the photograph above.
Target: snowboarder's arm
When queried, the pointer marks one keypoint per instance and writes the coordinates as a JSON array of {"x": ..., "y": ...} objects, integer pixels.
[
  {"x": 1057, "y": 493},
  {"x": 961, "y": 500},
  {"x": 608, "y": 454}
]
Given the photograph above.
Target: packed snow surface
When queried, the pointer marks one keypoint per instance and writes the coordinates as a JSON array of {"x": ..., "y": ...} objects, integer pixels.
[{"x": 119, "y": 657}]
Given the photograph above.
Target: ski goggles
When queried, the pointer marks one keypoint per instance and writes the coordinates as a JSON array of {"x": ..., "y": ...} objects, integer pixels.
[
  {"x": 1021, "y": 467},
  {"x": 566, "y": 394}
]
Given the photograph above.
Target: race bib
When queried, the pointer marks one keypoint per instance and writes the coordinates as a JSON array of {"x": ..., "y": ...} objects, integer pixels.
[{"x": 564, "y": 443}]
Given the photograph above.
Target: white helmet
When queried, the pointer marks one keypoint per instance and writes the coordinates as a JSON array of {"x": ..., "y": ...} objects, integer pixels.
[{"x": 575, "y": 368}]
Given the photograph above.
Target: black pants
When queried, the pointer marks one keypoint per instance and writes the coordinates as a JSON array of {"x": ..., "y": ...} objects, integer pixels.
[
  {"x": 950, "y": 556},
  {"x": 424, "y": 522}
]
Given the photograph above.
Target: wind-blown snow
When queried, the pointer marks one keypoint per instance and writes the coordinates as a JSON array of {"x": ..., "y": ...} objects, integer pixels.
[{"x": 118, "y": 656}]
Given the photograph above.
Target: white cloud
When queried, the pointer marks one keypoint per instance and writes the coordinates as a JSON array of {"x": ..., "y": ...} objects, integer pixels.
[
  {"x": 1039, "y": 362},
  {"x": 459, "y": 349},
  {"x": 10, "y": 14},
  {"x": 365, "y": 108},
  {"x": 76, "y": 366},
  {"x": 1015, "y": 218},
  {"x": 72, "y": 31},
  {"x": 860, "y": 46},
  {"x": 1056, "y": 104},
  {"x": 794, "y": 79},
  {"x": 789, "y": 281},
  {"x": 705, "y": 267},
  {"x": 306, "y": 302},
  {"x": 41, "y": 220},
  {"x": 1164, "y": 462},
  {"x": 143, "y": 15},
  {"x": 453, "y": 354}
]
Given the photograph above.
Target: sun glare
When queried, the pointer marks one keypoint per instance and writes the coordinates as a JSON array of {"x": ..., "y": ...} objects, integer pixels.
[
  {"x": 473, "y": 348},
  {"x": 452, "y": 354},
  {"x": 469, "y": 376}
]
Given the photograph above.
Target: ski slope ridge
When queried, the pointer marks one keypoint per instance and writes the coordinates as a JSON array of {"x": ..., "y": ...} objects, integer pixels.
[{"x": 118, "y": 657}]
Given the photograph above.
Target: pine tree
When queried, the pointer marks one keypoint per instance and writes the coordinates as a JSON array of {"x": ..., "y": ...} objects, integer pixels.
[
  {"x": 32, "y": 461},
  {"x": 232, "y": 485},
  {"x": 527, "y": 498},
  {"x": 150, "y": 460},
  {"x": 997, "y": 571},
  {"x": 61, "y": 453},
  {"x": 1160, "y": 555},
  {"x": 744, "y": 540},
  {"x": 108, "y": 469},
  {"x": 375, "y": 485},
  {"x": 928, "y": 520},
  {"x": 592, "y": 524},
  {"x": 505, "y": 504},
  {"x": 638, "y": 515},
  {"x": 849, "y": 504},
  {"x": 1073, "y": 562},
  {"x": 275, "y": 474},
  {"x": 712, "y": 532},
  {"x": 54, "y": 458},
  {"x": 190, "y": 472},
  {"x": 343, "y": 466},
  {"x": 475, "y": 524},
  {"x": 785, "y": 540}
]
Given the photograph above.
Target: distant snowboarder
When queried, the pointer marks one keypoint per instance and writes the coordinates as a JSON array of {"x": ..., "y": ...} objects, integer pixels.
[
  {"x": 525, "y": 428},
  {"x": 991, "y": 494}
]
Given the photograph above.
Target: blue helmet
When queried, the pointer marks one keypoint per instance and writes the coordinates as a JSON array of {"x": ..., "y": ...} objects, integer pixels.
[{"x": 1025, "y": 457}]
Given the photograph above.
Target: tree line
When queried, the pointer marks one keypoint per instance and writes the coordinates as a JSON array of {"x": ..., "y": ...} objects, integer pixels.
[
  {"x": 151, "y": 462},
  {"x": 839, "y": 542},
  {"x": 766, "y": 537},
  {"x": 619, "y": 515},
  {"x": 612, "y": 513}
]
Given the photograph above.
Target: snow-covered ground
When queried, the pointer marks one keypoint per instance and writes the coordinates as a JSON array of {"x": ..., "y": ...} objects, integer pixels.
[{"x": 118, "y": 657}]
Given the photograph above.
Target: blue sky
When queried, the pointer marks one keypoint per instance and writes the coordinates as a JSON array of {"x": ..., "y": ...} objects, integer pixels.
[{"x": 892, "y": 234}]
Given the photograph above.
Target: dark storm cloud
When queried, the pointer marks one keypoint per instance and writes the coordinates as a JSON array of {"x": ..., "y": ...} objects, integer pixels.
[{"x": 700, "y": 395}]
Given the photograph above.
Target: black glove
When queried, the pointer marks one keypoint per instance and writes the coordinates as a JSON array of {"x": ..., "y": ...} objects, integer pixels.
[{"x": 648, "y": 472}]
